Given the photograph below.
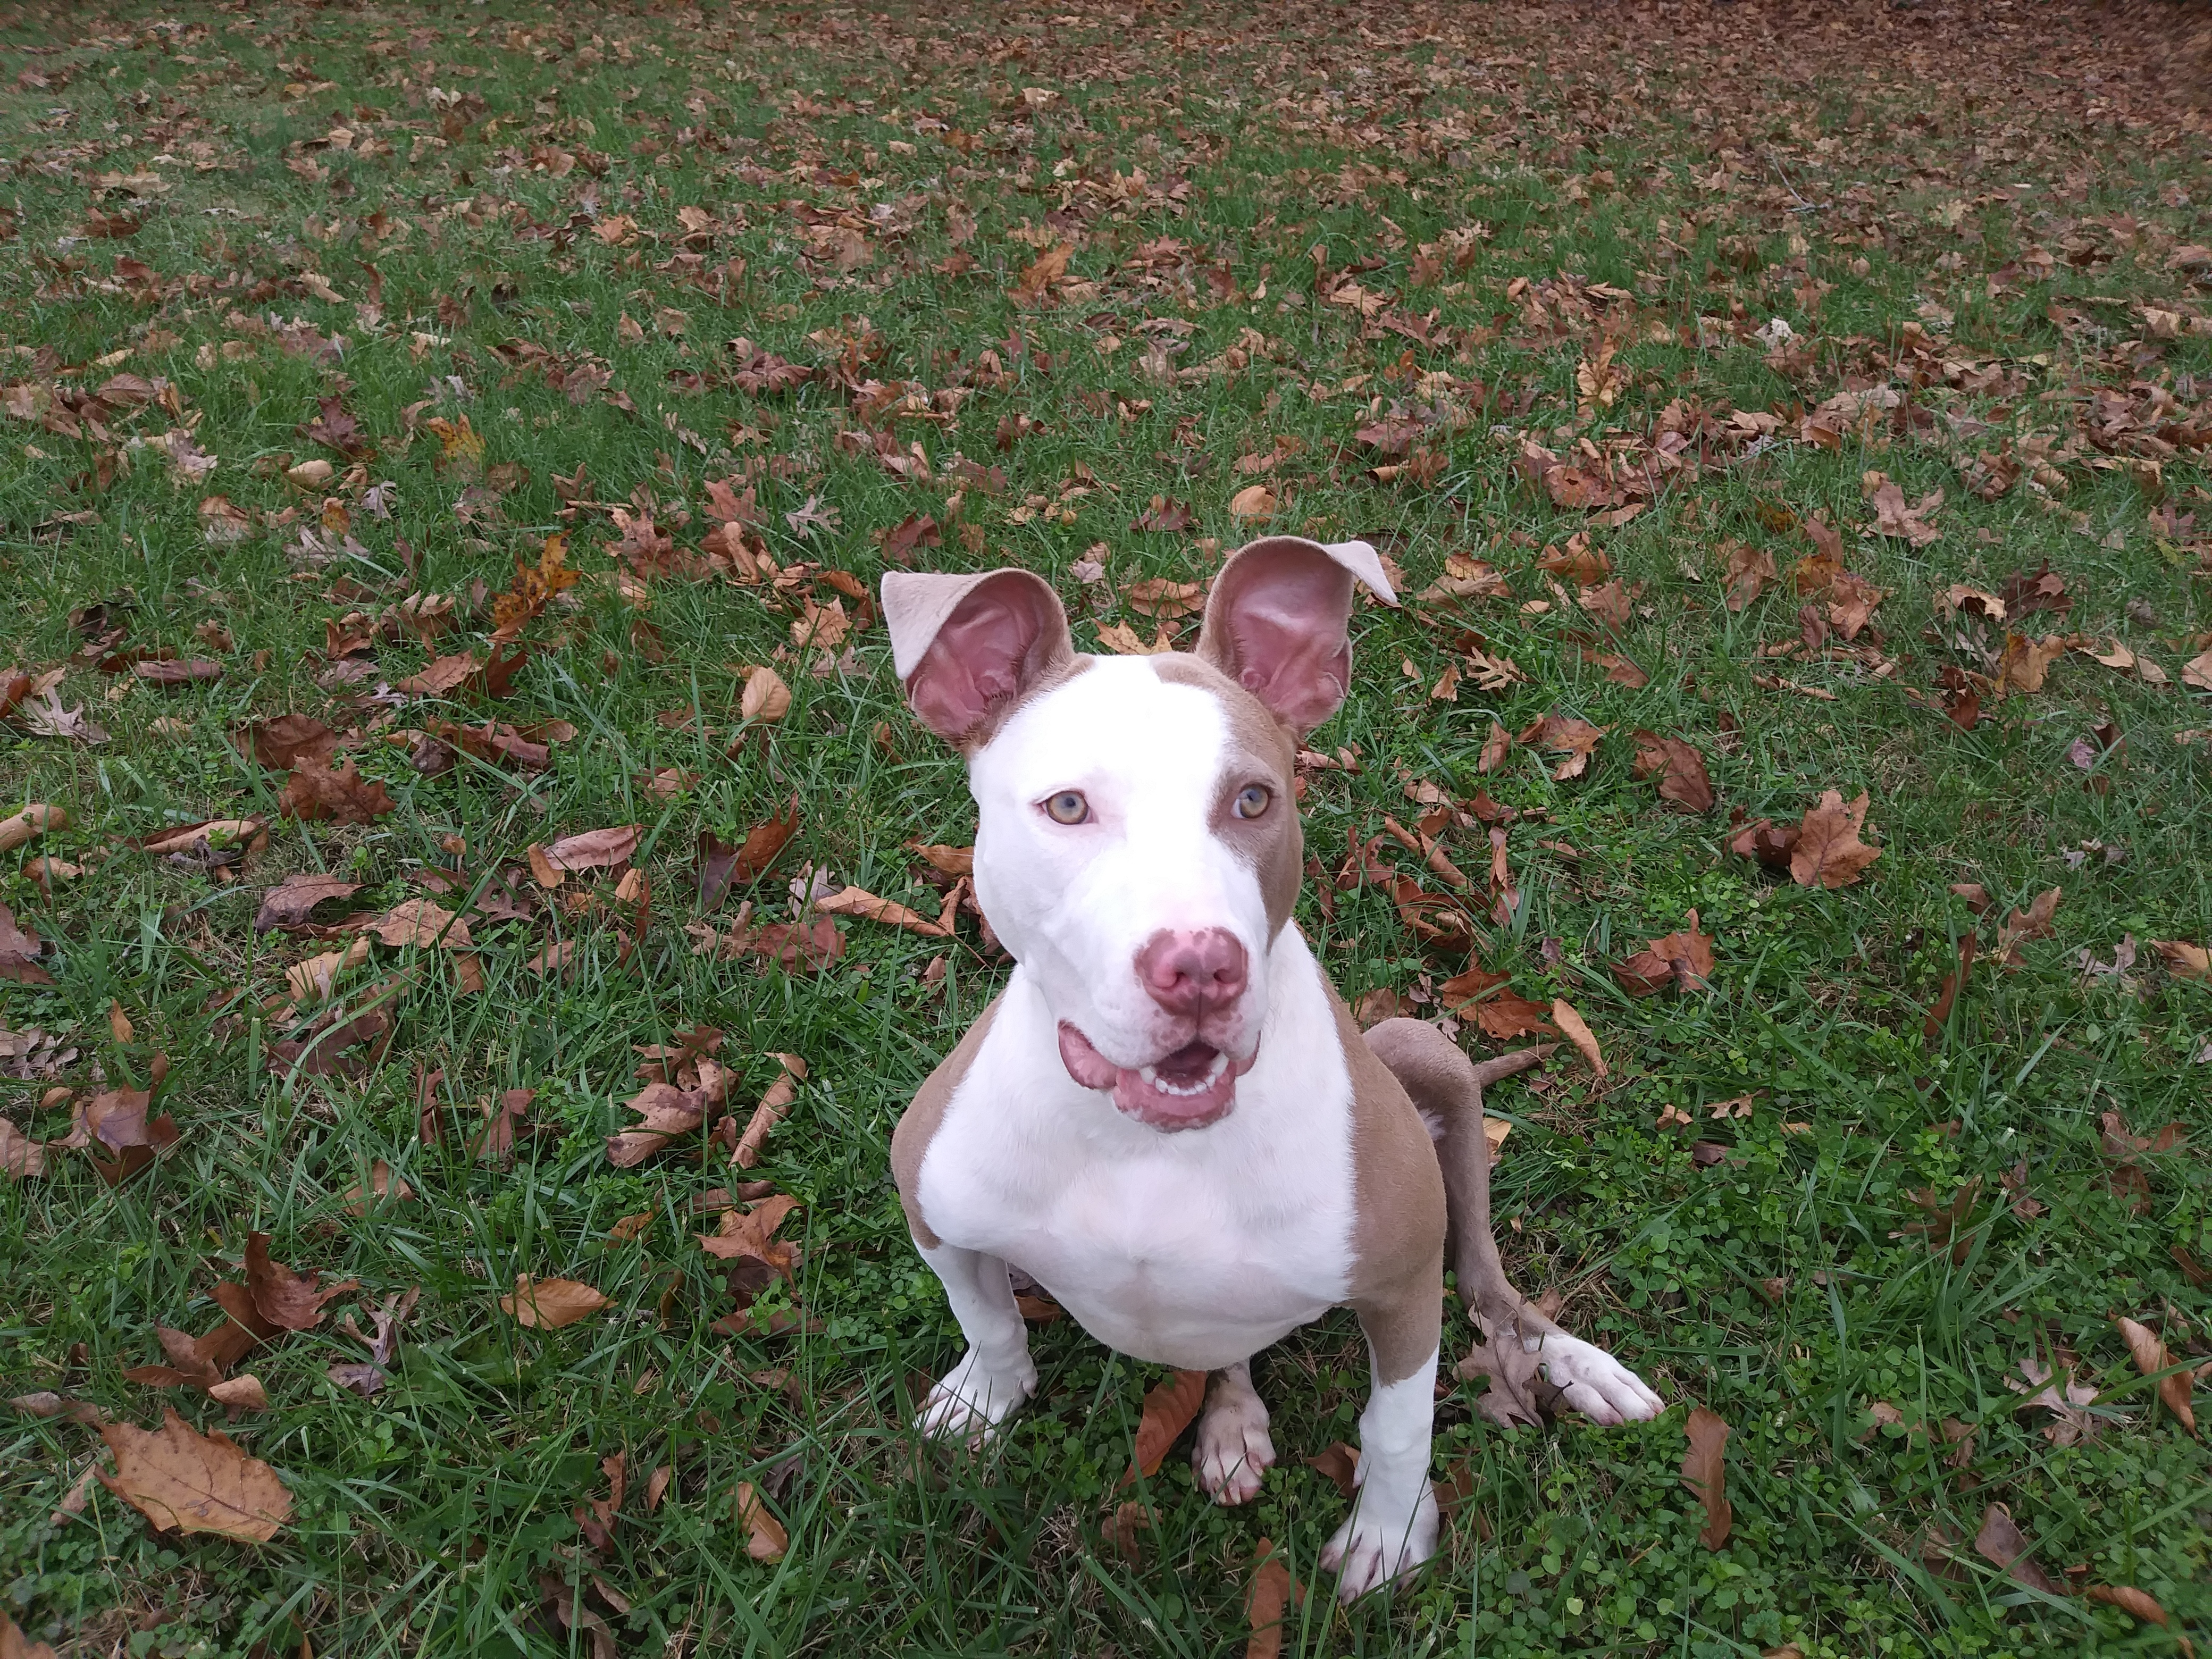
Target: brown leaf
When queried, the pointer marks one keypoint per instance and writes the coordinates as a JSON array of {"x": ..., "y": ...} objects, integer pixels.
[
  {"x": 1265, "y": 1601},
  {"x": 1570, "y": 735},
  {"x": 21, "y": 1157},
  {"x": 945, "y": 860},
  {"x": 314, "y": 794},
  {"x": 812, "y": 944},
  {"x": 1704, "y": 1472},
  {"x": 2136, "y": 1604},
  {"x": 190, "y": 671},
  {"x": 594, "y": 849},
  {"x": 1253, "y": 501},
  {"x": 1495, "y": 748},
  {"x": 1932, "y": 1026},
  {"x": 19, "y": 952},
  {"x": 2151, "y": 1357},
  {"x": 281, "y": 742},
  {"x": 284, "y": 1299},
  {"x": 424, "y": 924},
  {"x": 769, "y": 1113},
  {"x": 550, "y": 1304},
  {"x": 2024, "y": 662},
  {"x": 1852, "y": 602},
  {"x": 184, "y": 1481},
  {"x": 1507, "y": 1017},
  {"x": 1465, "y": 986},
  {"x": 116, "y": 1120},
  {"x": 666, "y": 1111},
  {"x": 1680, "y": 769},
  {"x": 1750, "y": 571},
  {"x": 1338, "y": 1464},
  {"x": 858, "y": 902},
  {"x": 765, "y": 1538},
  {"x": 1828, "y": 851},
  {"x": 1571, "y": 1026},
  {"x": 292, "y": 899},
  {"x": 1168, "y": 1408},
  {"x": 2034, "y": 922},
  {"x": 2184, "y": 960},
  {"x": 2003, "y": 1544},
  {"x": 1908, "y": 523}
]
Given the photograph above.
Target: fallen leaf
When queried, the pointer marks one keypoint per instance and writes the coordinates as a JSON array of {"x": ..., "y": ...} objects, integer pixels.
[
  {"x": 1750, "y": 571},
  {"x": 2136, "y": 1604},
  {"x": 550, "y": 1304},
  {"x": 1338, "y": 1464},
  {"x": 314, "y": 792},
  {"x": 182, "y": 1481},
  {"x": 1507, "y": 1017},
  {"x": 1893, "y": 516},
  {"x": 1680, "y": 769},
  {"x": 2024, "y": 662},
  {"x": 1253, "y": 501},
  {"x": 1571, "y": 1026},
  {"x": 769, "y": 1112},
  {"x": 2151, "y": 1357},
  {"x": 1495, "y": 748},
  {"x": 765, "y": 1538},
  {"x": 19, "y": 952},
  {"x": 20, "y": 828},
  {"x": 1124, "y": 640},
  {"x": 189, "y": 671},
  {"x": 287, "y": 1300},
  {"x": 594, "y": 849},
  {"x": 21, "y": 1157},
  {"x": 1828, "y": 851},
  {"x": 2034, "y": 922},
  {"x": 2184, "y": 960},
  {"x": 281, "y": 742},
  {"x": 1569, "y": 735},
  {"x": 1704, "y": 1472},
  {"x": 423, "y": 923},
  {"x": 858, "y": 902},
  {"x": 1940, "y": 1013},
  {"x": 1168, "y": 1408},
  {"x": 1265, "y": 1599},
  {"x": 292, "y": 899},
  {"x": 2002, "y": 1543}
]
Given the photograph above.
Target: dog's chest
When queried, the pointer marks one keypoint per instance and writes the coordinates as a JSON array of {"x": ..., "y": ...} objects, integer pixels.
[{"x": 1194, "y": 1249}]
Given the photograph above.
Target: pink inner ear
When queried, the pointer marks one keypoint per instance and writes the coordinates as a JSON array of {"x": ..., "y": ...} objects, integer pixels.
[
  {"x": 978, "y": 657},
  {"x": 1286, "y": 628}
]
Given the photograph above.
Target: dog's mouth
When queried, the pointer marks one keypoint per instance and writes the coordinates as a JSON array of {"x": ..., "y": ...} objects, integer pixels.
[{"x": 1191, "y": 1087}]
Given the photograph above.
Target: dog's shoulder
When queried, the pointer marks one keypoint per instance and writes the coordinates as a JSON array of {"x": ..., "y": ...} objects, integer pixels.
[{"x": 918, "y": 1124}]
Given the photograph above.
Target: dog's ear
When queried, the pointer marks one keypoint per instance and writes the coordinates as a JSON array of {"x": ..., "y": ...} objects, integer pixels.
[
  {"x": 1275, "y": 623},
  {"x": 964, "y": 645}
]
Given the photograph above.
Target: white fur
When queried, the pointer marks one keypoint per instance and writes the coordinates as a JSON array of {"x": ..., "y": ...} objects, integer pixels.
[{"x": 1393, "y": 1525}]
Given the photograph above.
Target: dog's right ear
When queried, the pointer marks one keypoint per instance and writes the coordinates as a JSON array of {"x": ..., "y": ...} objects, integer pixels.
[{"x": 966, "y": 646}]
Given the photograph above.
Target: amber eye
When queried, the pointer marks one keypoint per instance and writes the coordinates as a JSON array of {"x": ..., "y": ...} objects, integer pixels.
[
  {"x": 1252, "y": 800},
  {"x": 1068, "y": 806}
]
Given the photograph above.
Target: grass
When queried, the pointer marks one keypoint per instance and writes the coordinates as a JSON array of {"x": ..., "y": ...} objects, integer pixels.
[{"x": 1989, "y": 217}]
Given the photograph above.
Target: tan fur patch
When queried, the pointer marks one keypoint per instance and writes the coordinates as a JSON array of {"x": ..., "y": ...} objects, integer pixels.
[
  {"x": 917, "y": 1125},
  {"x": 1398, "y": 1226},
  {"x": 1260, "y": 751}
]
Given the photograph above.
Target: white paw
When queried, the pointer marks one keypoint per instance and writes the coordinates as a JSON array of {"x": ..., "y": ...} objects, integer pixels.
[
  {"x": 971, "y": 1401},
  {"x": 1379, "y": 1544},
  {"x": 1597, "y": 1384},
  {"x": 1233, "y": 1451}
]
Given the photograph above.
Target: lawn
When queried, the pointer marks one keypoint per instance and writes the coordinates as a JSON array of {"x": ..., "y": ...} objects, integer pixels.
[{"x": 450, "y": 454}]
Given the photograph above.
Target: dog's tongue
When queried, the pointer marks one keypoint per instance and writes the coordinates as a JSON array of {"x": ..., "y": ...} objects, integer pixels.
[{"x": 1196, "y": 1094}]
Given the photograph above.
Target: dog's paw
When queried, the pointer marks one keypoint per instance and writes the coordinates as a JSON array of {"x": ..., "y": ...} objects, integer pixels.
[
  {"x": 1233, "y": 1449},
  {"x": 1597, "y": 1384},
  {"x": 971, "y": 1401},
  {"x": 1379, "y": 1544}
]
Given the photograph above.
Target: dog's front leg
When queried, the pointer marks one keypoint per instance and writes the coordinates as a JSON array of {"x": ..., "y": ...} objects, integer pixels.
[
  {"x": 1392, "y": 1528},
  {"x": 1233, "y": 1449},
  {"x": 996, "y": 1374}
]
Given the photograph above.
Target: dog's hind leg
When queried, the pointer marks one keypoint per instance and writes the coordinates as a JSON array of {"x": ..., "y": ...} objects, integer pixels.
[
  {"x": 1530, "y": 1360},
  {"x": 1233, "y": 1449},
  {"x": 996, "y": 1374}
]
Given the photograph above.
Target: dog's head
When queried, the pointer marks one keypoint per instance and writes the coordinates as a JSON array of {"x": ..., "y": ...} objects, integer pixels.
[{"x": 1137, "y": 846}]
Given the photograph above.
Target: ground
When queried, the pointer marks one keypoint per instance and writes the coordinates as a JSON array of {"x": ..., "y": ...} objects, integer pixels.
[{"x": 526, "y": 399}]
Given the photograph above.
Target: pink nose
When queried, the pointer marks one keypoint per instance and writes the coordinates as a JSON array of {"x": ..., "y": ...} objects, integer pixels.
[{"x": 1193, "y": 974}]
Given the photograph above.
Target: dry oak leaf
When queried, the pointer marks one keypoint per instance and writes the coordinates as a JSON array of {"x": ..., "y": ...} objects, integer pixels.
[
  {"x": 765, "y": 1538},
  {"x": 749, "y": 1235},
  {"x": 1265, "y": 1601},
  {"x": 2197, "y": 672},
  {"x": 21, "y": 1157},
  {"x": 1495, "y": 748},
  {"x": 2002, "y": 1543},
  {"x": 280, "y": 742},
  {"x": 1505, "y": 1018},
  {"x": 1684, "y": 958},
  {"x": 14, "y": 1645},
  {"x": 594, "y": 849},
  {"x": 2034, "y": 922},
  {"x": 2024, "y": 662},
  {"x": 1680, "y": 769},
  {"x": 1253, "y": 501},
  {"x": 1893, "y": 516},
  {"x": 19, "y": 952},
  {"x": 1168, "y": 1408},
  {"x": 858, "y": 902},
  {"x": 190, "y": 671},
  {"x": 184, "y": 1481},
  {"x": 2136, "y": 1604},
  {"x": 1828, "y": 851},
  {"x": 667, "y": 1112},
  {"x": 292, "y": 899},
  {"x": 315, "y": 793},
  {"x": 550, "y": 1304},
  {"x": 1750, "y": 571},
  {"x": 1704, "y": 1472},
  {"x": 945, "y": 860},
  {"x": 27, "y": 825},
  {"x": 419, "y": 921},
  {"x": 1124, "y": 640},
  {"x": 1570, "y": 735},
  {"x": 2151, "y": 1357},
  {"x": 287, "y": 1300},
  {"x": 1576, "y": 1030},
  {"x": 773, "y": 1103},
  {"x": 2184, "y": 960}
]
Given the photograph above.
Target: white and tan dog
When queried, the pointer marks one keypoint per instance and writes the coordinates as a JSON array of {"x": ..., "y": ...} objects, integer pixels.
[{"x": 1168, "y": 1119}]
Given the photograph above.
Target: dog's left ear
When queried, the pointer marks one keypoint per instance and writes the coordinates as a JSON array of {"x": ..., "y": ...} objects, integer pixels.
[
  {"x": 965, "y": 645},
  {"x": 1275, "y": 623}
]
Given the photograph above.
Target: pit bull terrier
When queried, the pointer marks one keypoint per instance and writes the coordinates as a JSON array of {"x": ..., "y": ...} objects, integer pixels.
[{"x": 1168, "y": 1118}]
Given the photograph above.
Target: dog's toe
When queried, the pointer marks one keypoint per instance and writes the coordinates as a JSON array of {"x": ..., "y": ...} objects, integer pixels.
[
  {"x": 1372, "y": 1549},
  {"x": 1597, "y": 1385},
  {"x": 1232, "y": 1455},
  {"x": 970, "y": 1402}
]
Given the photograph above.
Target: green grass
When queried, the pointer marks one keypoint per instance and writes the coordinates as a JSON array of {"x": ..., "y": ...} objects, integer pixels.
[{"x": 1833, "y": 178}]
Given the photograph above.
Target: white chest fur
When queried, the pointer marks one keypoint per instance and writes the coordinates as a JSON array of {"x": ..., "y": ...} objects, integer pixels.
[{"x": 1194, "y": 1249}]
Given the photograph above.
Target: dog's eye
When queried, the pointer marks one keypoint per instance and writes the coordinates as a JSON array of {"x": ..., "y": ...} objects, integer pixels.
[
  {"x": 1068, "y": 806},
  {"x": 1252, "y": 800}
]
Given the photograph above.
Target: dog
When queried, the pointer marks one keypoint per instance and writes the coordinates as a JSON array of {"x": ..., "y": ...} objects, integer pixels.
[{"x": 1168, "y": 1118}]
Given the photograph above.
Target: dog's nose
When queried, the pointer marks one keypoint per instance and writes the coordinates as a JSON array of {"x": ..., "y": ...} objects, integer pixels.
[{"x": 1193, "y": 974}]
